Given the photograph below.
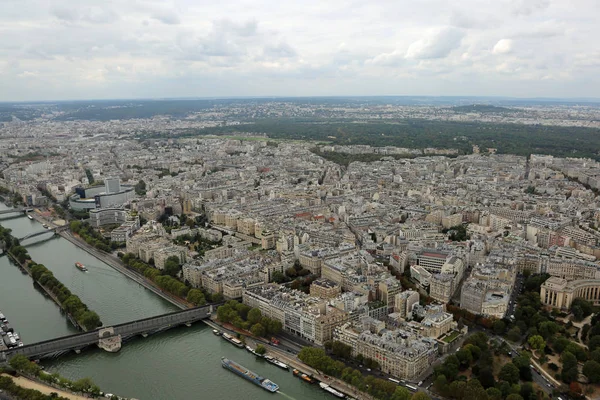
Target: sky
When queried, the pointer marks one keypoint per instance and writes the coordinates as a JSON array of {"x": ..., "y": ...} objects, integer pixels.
[{"x": 97, "y": 49}]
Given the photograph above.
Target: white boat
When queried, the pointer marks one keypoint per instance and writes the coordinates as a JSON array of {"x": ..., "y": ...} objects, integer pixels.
[
  {"x": 276, "y": 362},
  {"x": 30, "y": 217},
  {"x": 331, "y": 390}
]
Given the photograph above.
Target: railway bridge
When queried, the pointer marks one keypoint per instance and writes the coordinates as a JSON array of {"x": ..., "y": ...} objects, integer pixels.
[{"x": 109, "y": 338}]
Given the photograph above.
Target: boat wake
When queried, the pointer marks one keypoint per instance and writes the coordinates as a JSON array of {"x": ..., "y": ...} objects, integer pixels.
[{"x": 286, "y": 395}]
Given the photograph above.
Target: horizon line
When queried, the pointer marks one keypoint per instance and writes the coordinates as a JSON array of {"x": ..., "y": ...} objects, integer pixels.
[{"x": 491, "y": 97}]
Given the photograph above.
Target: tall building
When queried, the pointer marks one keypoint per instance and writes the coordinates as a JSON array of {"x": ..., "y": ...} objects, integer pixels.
[{"x": 112, "y": 185}]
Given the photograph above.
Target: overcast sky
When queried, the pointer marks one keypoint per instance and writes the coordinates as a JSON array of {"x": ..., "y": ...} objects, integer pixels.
[{"x": 85, "y": 49}]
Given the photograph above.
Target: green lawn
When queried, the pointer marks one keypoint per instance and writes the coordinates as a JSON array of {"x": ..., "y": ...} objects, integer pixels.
[{"x": 451, "y": 337}]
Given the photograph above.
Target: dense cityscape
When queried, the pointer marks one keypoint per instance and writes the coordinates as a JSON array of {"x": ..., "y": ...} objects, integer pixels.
[{"x": 380, "y": 271}]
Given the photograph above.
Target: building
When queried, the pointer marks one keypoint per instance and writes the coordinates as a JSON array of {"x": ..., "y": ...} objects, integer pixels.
[
  {"x": 404, "y": 303},
  {"x": 420, "y": 275},
  {"x": 107, "y": 216},
  {"x": 432, "y": 260},
  {"x": 308, "y": 317},
  {"x": 86, "y": 199},
  {"x": 112, "y": 185},
  {"x": 441, "y": 287},
  {"x": 559, "y": 293},
  {"x": 325, "y": 289},
  {"x": 400, "y": 353}
]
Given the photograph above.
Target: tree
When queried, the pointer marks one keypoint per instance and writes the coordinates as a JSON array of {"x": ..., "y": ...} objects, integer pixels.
[
  {"x": 594, "y": 342},
  {"x": 254, "y": 316},
  {"x": 514, "y": 396},
  {"x": 278, "y": 277},
  {"x": 140, "y": 188},
  {"x": 494, "y": 393},
  {"x": 401, "y": 393},
  {"x": 560, "y": 344},
  {"x": 19, "y": 362},
  {"x": 260, "y": 349},
  {"x": 537, "y": 342},
  {"x": 420, "y": 396},
  {"x": 527, "y": 391},
  {"x": 196, "y": 297},
  {"x": 172, "y": 266},
  {"x": 591, "y": 370},
  {"x": 523, "y": 363},
  {"x": 464, "y": 356},
  {"x": 514, "y": 335},
  {"x": 457, "y": 389},
  {"x": 569, "y": 367},
  {"x": 90, "y": 320},
  {"x": 581, "y": 308},
  {"x": 499, "y": 327},
  {"x": 258, "y": 330},
  {"x": 441, "y": 385},
  {"x": 509, "y": 373},
  {"x": 474, "y": 391}
]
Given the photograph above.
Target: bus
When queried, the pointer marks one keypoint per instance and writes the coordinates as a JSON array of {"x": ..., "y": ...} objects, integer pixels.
[
  {"x": 411, "y": 388},
  {"x": 396, "y": 381}
]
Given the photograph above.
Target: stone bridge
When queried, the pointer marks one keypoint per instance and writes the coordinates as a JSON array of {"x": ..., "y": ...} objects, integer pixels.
[{"x": 109, "y": 338}]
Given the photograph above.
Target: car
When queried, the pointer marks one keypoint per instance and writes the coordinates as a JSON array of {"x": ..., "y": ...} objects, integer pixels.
[
  {"x": 420, "y": 383},
  {"x": 369, "y": 369}
]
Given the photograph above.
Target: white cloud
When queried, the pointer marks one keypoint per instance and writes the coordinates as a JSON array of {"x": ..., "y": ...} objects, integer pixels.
[
  {"x": 436, "y": 44},
  {"x": 503, "y": 46},
  {"x": 167, "y": 17}
]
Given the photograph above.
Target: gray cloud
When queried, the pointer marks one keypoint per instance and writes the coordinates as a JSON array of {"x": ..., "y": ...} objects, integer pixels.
[{"x": 128, "y": 48}]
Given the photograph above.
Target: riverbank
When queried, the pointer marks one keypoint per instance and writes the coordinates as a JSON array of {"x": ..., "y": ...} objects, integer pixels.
[
  {"x": 118, "y": 265},
  {"x": 47, "y": 390}
]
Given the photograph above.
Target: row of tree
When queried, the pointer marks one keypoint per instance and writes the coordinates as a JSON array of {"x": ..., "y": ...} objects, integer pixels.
[
  {"x": 93, "y": 237},
  {"x": 10, "y": 387},
  {"x": 165, "y": 282},
  {"x": 26, "y": 367},
  {"x": 71, "y": 303},
  {"x": 169, "y": 283},
  {"x": 244, "y": 317},
  {"x": 379, "y": 388}
]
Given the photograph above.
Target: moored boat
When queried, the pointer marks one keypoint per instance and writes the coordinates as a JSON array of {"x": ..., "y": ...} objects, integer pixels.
[
  {"x": 249, "y": 375},
  {"x": 80, "y": 266},
  {"x": 30, "y": 217},
  {"x": 276, "y": 362},
  {"x": 216, "y": 332},
  {"x": 307, "y": 378},
  {"x": 331, "y": 390},
  {"x": 232, "y": 340}
]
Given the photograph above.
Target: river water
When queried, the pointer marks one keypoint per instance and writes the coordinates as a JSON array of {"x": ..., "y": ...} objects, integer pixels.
[{"x": 180, "y": 364}]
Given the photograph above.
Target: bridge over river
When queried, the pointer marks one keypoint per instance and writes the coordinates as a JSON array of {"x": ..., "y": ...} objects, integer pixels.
[{"x": 109, "y": 338}]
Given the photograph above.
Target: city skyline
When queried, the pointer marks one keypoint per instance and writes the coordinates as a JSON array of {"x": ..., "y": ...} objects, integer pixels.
[{"x": 178, "y": 49}]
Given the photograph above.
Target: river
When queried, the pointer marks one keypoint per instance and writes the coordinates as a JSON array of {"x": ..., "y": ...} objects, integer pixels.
[{"x": 180, "y": 364}]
